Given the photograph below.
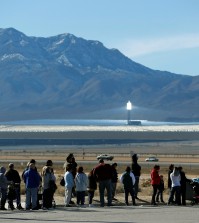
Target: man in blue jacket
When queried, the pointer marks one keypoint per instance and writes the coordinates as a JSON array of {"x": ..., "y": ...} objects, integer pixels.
[{"x": 32, "y": 181}]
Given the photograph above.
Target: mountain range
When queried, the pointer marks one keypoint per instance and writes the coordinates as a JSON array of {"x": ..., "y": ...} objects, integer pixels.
[{"x": 68, "y": 77}]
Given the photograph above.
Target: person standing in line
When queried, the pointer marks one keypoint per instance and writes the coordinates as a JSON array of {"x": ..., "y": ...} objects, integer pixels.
[
  {"x": 128, "y": 180},
  {"x": 32, "y": 182},
  {"x": 92, "y": 186},
  {"x": 70, "y": 159},
  {"x": 81, "y": 183},
  {"x": 160, "y": 190},
  {"x": 48, "y": 181},
  {"x": 114, "y": 180},
  {"x": 175, "y": 187},
  {"x": 155, "y": 182},
  {"x": 136, "y": 170},
  {"x": 183, "y": 183},
  {"x": 13, "y": 175},
  {"x": 103, "y": 174},
  {"x": 69, "y": 184},
  {"x": 171, "y": 167},
  {"x": 3, "y": 188}
]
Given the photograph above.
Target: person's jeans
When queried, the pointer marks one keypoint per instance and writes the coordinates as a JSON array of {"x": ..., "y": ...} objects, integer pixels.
[
  {"x": 90, "y": 196},
  {"x": 105, "y": 184},
  {"x": 18, "y": 195},
  {"x": 80, "y": 197},
  {"x": 31, "y": 196},
  {"x": 113, "y": 188},
  {"x": 3, "y": 197},
  {"x": 159, "y": 195},
  {"x": 136, "y": 186},
  {"x": 176, "y": 191},
  {"x": 155, "y": 189},
  {"x": 128, "y": 191}
]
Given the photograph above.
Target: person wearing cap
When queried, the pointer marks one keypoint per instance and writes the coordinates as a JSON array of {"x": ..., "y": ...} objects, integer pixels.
[
  {"x": 27, "y": 166},
  {"x": 13, "y": 175},
  {"x": 136, "y": 170}
]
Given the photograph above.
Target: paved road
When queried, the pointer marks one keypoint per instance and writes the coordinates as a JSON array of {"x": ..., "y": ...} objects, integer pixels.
[{"x": 122, "y": 214}]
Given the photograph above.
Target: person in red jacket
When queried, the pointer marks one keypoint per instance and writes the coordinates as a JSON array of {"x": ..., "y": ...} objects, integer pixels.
[{"x": 155, "y": 182}]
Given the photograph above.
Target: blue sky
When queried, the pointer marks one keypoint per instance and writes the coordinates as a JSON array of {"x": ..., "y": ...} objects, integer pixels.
[{"x": 160, "y": 34}]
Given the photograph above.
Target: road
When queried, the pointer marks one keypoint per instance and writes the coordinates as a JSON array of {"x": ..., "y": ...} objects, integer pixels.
[{"x": 122, "y": 214}]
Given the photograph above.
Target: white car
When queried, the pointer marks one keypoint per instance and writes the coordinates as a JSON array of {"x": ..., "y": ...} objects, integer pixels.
[
  {"x": 105, "y": 157},
  {"x": 152, "y": 159}
]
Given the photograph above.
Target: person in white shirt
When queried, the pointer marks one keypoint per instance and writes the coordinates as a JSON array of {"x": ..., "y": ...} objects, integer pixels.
[
  {"x": 175, "y": 187},
  {"x": 81, "y": 182}
]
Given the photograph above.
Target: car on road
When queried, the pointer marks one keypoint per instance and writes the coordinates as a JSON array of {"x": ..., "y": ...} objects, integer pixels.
[
  {"x": 105, "y": 157},
  {"x": 152, "y": 159}
]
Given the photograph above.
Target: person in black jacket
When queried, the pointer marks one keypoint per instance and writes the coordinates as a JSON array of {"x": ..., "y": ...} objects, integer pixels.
[
  {"x": 136, "y": 170},
  {"x": 13, "y": 175},
  {"x": 92, "y": 186},
  {"x": 114, "y": 180},
  {"x": 183, "y": 182}
]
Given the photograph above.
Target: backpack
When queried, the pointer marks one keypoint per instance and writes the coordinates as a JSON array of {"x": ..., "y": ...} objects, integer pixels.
[
  {"x": 62, "y": 182},
  {"x": 127, "y": 180}
]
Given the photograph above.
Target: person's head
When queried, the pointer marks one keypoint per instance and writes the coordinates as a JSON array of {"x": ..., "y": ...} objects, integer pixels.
[
  {"x": 101, "y": 161},
  {"x": 171, "y": 167},
  {"x": 32, "y": 161},
  {"x": 156, "y": 167},
  {"x": 69, "y": 167},
  {"x": 128, "y": 169},
  {"x": 11, "y": 166},
  {"x": 69, "y": 157},
  {"x": 49, "y": 163},
  {"x": 32, "y": 165},
  {"x": 134, "y": 157},
  {"x": 161, "y": 177},
  {"x": 180, "y": 168},
  {"x": 176, "y": 171},
  {"x": 2, "y": 169},
  {"x": 114, "y": 165},
  {"x": 80, "y": 169}
]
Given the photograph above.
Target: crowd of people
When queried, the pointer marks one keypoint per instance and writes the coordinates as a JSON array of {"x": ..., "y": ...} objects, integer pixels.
[
  {"x": 176, "y": 183},
  {"x": 77, "y": 183}
]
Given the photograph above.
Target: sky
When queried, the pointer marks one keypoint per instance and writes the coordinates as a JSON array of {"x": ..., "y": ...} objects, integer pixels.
[{"x": 160, "y": 34}]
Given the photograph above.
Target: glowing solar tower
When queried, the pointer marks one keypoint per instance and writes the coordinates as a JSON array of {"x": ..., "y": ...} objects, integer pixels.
[{"x": 129, "y": 108}]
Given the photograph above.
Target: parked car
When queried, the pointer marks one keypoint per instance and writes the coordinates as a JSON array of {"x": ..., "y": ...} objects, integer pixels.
[
  {"x": 152, "y": 159},
  {"x": 105, "y": 157}
]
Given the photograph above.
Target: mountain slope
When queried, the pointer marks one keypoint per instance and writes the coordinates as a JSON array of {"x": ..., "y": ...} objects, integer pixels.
[{"x": 69, "y": 77}]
